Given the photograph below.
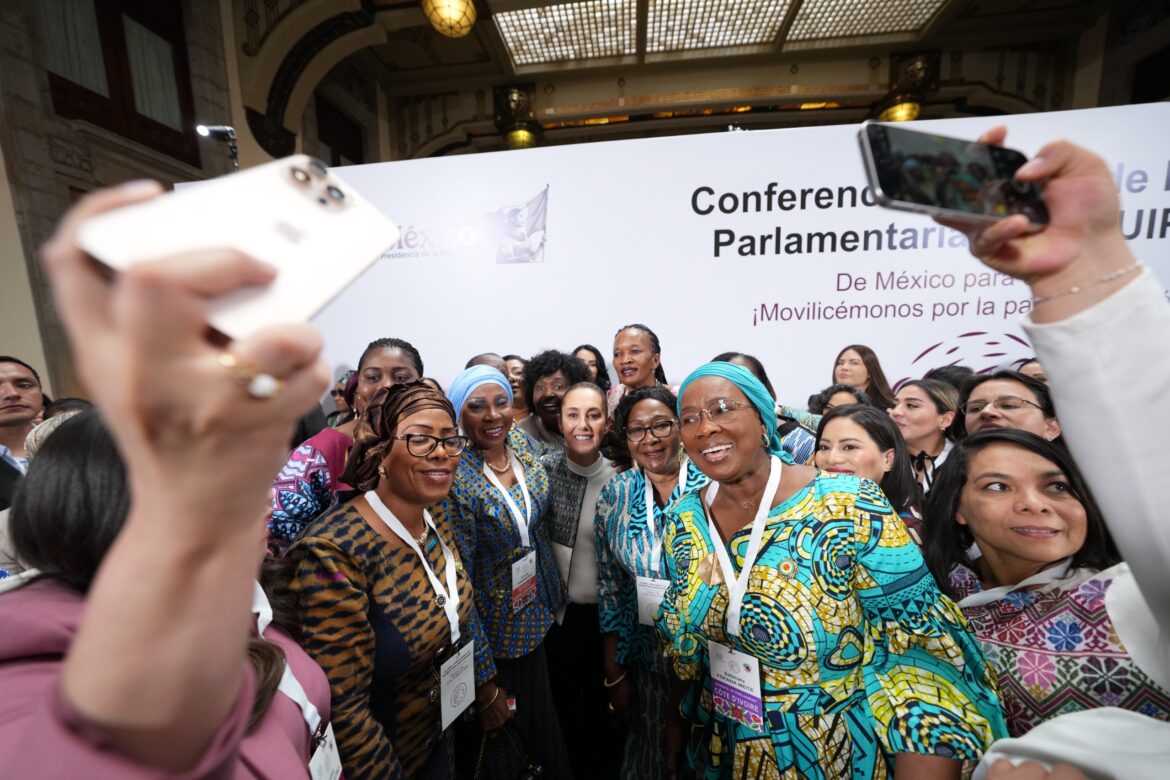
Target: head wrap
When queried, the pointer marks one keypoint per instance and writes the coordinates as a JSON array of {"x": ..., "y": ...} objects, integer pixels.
[
  {"x": 373, "y": 435},
  {"x": 751, "y": 387},
  {"x": 471, "y": 378}
]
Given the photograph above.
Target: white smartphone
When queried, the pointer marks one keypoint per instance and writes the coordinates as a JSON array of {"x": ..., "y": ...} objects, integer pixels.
[
  {"x": 292, "y": 213},
  {"x": 946, "y": 177}
]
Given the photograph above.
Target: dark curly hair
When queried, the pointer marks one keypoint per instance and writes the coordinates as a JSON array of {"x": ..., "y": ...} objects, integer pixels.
[
  {"x": 817, "y": 401},
  {"x": 620, "y": 446},
  {"x": 549, "y": 362},
  {"x": 655, "y": 347},
  {"x": 375, "y": 430},
  {"x": 947, "y": 541},
  {"x": 602, "y": 379}
]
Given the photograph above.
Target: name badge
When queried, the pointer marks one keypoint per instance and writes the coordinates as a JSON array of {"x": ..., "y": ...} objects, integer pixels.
[
  {"x": 524, "y": 581},
  {"x": 735, "y": 686},
  {"x": 457, "y": 683},
  {"x": 650, "y": 593},
  {"x": 326, "y": 761}
]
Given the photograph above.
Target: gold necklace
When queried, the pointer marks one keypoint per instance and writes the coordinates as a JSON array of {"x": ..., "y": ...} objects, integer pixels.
[{"x": 498, "y": 469}]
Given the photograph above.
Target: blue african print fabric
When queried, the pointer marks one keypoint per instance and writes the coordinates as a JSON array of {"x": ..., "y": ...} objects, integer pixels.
[
  {"x": 861, "y": 657},
  {"x": 623, "y": 554},
  {"x": 489, "y": 542}
]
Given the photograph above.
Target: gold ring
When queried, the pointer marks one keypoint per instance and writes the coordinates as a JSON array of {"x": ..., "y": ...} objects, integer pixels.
[{"x": 259, "y": 385}]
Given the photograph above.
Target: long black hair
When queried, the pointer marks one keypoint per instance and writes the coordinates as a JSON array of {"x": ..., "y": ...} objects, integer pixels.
[
  {"x": 71, "y": 506},
  {"x": 655, "y": 347},
  {"x": 899, "y": 483},
  {"x": 602, "y": 378},
  {"x": 947, "y": 541},
  {"x": 878, "y": 389}
]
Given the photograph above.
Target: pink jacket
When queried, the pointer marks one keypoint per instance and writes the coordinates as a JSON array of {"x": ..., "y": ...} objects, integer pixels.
[{"x": 42, "y": 736}]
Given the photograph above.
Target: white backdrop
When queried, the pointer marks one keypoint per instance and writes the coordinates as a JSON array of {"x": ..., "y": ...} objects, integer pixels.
[{"x": 611, "y": 235}]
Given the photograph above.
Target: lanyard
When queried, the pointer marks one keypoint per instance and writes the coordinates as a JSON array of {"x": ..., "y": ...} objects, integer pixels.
[
  {"x": 651, "y": 527},
  {"x": 737, "y": 586},
  {"x": 995, "y": 594},
  {"x": 289, "y": 685},
  {"x": 522, "y": 520},
  {"x": 448, "y": 598}
]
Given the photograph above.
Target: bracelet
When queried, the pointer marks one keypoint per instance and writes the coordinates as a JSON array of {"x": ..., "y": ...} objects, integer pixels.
[
  {"x": 1109, "y": 277},
  {"x": 482, "y": 707},
  {"x": 605, "y": 680}
]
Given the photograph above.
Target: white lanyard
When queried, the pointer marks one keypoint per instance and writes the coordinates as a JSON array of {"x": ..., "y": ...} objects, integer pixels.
[
  {"x": 995, "y": 594},
  {"x": 737, "y": 586},
  {"x": 289, "y": 685},
  {"x": 651, "y": 527},
  {"x": 448, "y": 598},
  {"x": 522, "y": 520}
]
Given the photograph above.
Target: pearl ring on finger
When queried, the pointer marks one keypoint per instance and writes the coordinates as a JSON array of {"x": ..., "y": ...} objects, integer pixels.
[{"x": 260, "y": 385}]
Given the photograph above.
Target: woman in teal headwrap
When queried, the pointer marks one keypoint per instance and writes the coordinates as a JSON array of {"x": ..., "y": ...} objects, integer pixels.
[{"x": 813, "y": 638}]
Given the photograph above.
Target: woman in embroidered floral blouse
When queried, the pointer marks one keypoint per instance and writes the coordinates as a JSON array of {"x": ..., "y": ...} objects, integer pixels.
[{"x": 1036, "y": 596}]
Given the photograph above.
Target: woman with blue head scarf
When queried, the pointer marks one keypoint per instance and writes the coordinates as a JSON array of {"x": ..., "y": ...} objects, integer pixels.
[
  {"x": 810, "y": 639},
  {"x": 497, "y": 512}
]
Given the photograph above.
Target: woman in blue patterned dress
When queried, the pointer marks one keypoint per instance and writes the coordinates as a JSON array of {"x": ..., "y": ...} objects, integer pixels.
[
  {"x": 804, "y": 612},
  {"x": 496, "y": 508},
  {"x": 629, "y": 550}
]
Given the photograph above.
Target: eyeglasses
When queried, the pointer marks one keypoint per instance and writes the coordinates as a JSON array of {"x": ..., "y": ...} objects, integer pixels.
[
  {"x": 421, "y": 445},
  {"x": 719, "y": 412},
  {"x": 337, "y": 393},
  {"x": 1005, "y": 403},
  {"x": 660, "y": 430}
]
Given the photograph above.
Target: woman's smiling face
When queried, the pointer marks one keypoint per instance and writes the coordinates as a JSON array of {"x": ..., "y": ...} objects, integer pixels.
[{"x": 726, "y": 448}]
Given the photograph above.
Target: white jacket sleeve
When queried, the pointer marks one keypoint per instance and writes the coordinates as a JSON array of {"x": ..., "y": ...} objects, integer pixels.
[{"x": 1109, "y": 367}]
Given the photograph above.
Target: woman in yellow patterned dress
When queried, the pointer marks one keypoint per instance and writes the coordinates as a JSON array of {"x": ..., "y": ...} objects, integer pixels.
[{"x": 803, "y": 616}]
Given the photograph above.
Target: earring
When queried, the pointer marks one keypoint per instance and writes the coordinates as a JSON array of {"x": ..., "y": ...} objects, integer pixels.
[
  {"x": 764, "y": 440},
  {"x": 382, "y": 472},
  {"x": 682, "y": 453}
]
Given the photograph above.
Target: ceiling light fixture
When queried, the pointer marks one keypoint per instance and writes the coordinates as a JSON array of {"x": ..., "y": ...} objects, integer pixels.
[{"x": 453, "y": 18}]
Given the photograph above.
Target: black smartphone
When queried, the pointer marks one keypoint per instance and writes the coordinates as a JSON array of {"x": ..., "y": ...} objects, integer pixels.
[{"x": 947, "y": 177}]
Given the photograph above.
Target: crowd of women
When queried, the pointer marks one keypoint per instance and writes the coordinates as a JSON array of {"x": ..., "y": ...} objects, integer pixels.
[{"x": 532, "y": 573}]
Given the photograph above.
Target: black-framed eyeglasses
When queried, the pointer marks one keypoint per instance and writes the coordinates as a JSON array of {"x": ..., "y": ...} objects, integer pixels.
[
  {"x": 337, "y": 393},
  {"x": 422, "y": 444},
  {"x": 660, "y": 430},
  {"x": 719, "y": 412},
  {"x": 1004, "y": 403}
]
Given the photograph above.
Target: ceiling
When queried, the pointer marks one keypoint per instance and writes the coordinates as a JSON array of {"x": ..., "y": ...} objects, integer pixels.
[{"x": 526, "y": 39}]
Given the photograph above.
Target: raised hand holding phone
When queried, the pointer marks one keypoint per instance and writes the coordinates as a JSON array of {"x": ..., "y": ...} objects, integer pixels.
[
  {"x": 293, "y": 214},
  {"x": 1080, "y": 248},
  {"x": 962, "y": 181}
]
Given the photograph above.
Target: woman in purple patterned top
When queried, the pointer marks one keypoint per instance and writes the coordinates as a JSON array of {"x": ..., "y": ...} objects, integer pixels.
[{"x": 1014, "y": 535}]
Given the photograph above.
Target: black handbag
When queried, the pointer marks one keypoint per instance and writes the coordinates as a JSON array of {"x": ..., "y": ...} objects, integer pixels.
[{"x": 530, "y": 770}]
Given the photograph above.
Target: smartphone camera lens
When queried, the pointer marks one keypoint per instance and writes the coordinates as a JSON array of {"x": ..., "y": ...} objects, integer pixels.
[
  {"x": 335, "y": 192},
  {"x": 317, "y": 167},
  {"x": 301, "y": 175}
]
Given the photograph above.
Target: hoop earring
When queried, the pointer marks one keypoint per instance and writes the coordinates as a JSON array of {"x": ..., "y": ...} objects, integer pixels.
[{"x": 764, "y": 440}]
